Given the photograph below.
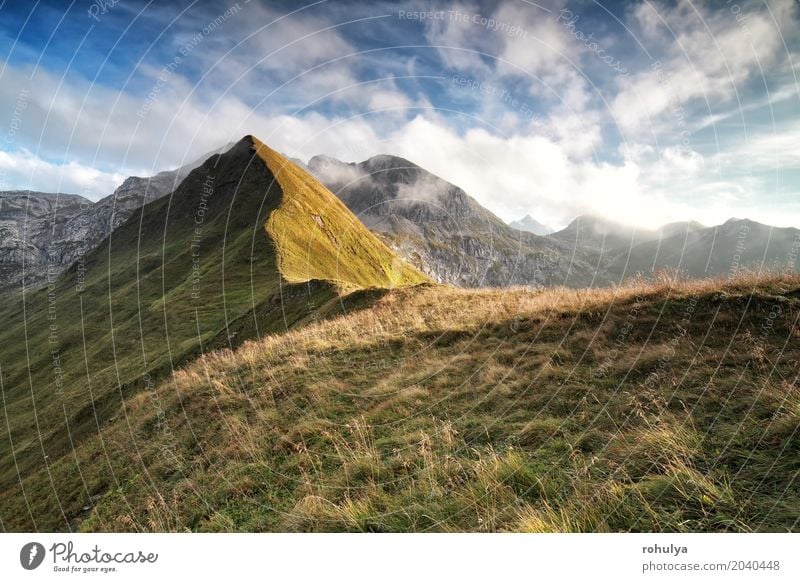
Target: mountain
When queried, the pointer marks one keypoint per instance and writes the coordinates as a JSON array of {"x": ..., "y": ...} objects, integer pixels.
[
  {"x": 444, "y": 232},
  {"x": 427, "y": 221},
  {"x": 317, "y": 237},
  {"x": 603, "y": 235},
  {"x": 247, "y": 245},
  {"x": 40, "y": 238},
  {"x": 689, "y": 247},
  {"x": 597, "y": 232},
  {"x": 716, "y": 251},
  {"x": 529, "y": 224},
  {"x": 679, "y": 228}
]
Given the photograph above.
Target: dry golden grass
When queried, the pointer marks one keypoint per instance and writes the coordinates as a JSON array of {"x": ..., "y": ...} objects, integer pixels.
[
  {"x": 438, "y": 409},
  {"x": 317, "y": 237},
  {"x": 433, "y": 308}
]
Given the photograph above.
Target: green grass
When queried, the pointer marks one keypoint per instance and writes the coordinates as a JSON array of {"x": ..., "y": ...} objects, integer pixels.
[
  {"x": 435, "y": 409},
  {"x": 141, "y": 312}
]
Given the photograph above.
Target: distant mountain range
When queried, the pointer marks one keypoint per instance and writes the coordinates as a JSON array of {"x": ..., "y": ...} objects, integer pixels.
[
  {"x": 695, "y": 250},
  {"x": 448, "y": 235},
  {"x": 431, "y": 223},
  {"x": 444, "y": 232},
  {"x": 529, "y": 224},
  {"x": 606, "y": 235}
]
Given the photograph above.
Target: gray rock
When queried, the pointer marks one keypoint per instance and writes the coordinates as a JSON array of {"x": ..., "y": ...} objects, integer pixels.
[
  {"x": 42, "y": 234},
  {"x": 36, "y": 235},
  {"x": 444, "y": 232}
]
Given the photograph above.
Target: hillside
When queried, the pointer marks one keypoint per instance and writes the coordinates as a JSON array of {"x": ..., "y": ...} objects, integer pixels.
[
  {"x": 445, "y": 233},
  {"x": 231, "y": 255},
  {"x": 667, "y": 407},
  {"x": 319, "y": 238}
]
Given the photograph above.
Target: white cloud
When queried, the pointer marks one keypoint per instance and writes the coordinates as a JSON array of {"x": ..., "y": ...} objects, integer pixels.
[
  {"x": 516, "y": 175},
  {"x": 338, "y": 175},
  {"x": 542, "y": 48},
  {"x": 459, "y": 42},
  {"x": 709, "y": 56},
  {"x": 775, "y": 149},
  {"x": 547, "y": 166},
  {"x": 390, "y": 100},
  {"x": 297, "y": 42},
  {"x": 525, "y": 174},
  {"x": 26, "y": 171}
]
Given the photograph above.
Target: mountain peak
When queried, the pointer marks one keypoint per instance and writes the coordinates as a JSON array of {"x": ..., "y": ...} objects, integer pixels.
[
  {"x": 317, "y": 237},
  {"x": 387, "y": 161},
  {"x": 244, "y": 145},
  {"x": 742, "y": 222},
  {"x": 529, "y": 224},
  {"x": 323, "y": 159},
  {"x": 249, "y": 139}
]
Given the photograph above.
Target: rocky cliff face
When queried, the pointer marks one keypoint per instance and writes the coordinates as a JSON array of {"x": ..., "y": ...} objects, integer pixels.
[
  {"x": 86, "y": 230},
  {"x": 443, "y": 231},
  {"x": 42, "y": 234},
  {"x": 33, "y": 229}
]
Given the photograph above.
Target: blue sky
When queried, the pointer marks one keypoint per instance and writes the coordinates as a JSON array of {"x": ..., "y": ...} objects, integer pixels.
[{"x": 647, "y": 111}]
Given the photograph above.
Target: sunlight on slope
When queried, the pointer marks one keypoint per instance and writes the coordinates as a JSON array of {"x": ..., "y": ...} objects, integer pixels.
[{"x": 317, "y": 237}]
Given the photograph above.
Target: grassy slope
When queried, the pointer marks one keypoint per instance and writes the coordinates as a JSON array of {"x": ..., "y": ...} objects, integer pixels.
[
  {"x": 139, "y": 314},
  {"x": 319, "y": 238},
  {"x": 439, "y": 409}
]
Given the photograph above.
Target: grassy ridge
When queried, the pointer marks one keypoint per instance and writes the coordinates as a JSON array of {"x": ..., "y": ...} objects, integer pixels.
[
  {"x": 319, "y": 238},
  {"x": 667, "y": 407},
  {"x": 150, "y": 297},
  {"x": 187, "y": 273}
]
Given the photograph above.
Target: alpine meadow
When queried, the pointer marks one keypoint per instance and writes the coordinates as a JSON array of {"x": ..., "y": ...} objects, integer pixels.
[{"x": 485, "y": 266}]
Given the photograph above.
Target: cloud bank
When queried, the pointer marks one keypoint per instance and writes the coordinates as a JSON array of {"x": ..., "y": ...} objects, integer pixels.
[{"x": 525, "y": 106}]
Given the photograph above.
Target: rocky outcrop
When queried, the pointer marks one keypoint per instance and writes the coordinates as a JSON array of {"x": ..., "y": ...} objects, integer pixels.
[{"x": 34, "y": 231}]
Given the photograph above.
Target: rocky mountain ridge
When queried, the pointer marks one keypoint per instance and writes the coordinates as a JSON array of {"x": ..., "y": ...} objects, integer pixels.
[
  {"x": 446, "y": 233},
  {"x": 42, "y": 234},
  {"x": 429, "y": 222}
]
